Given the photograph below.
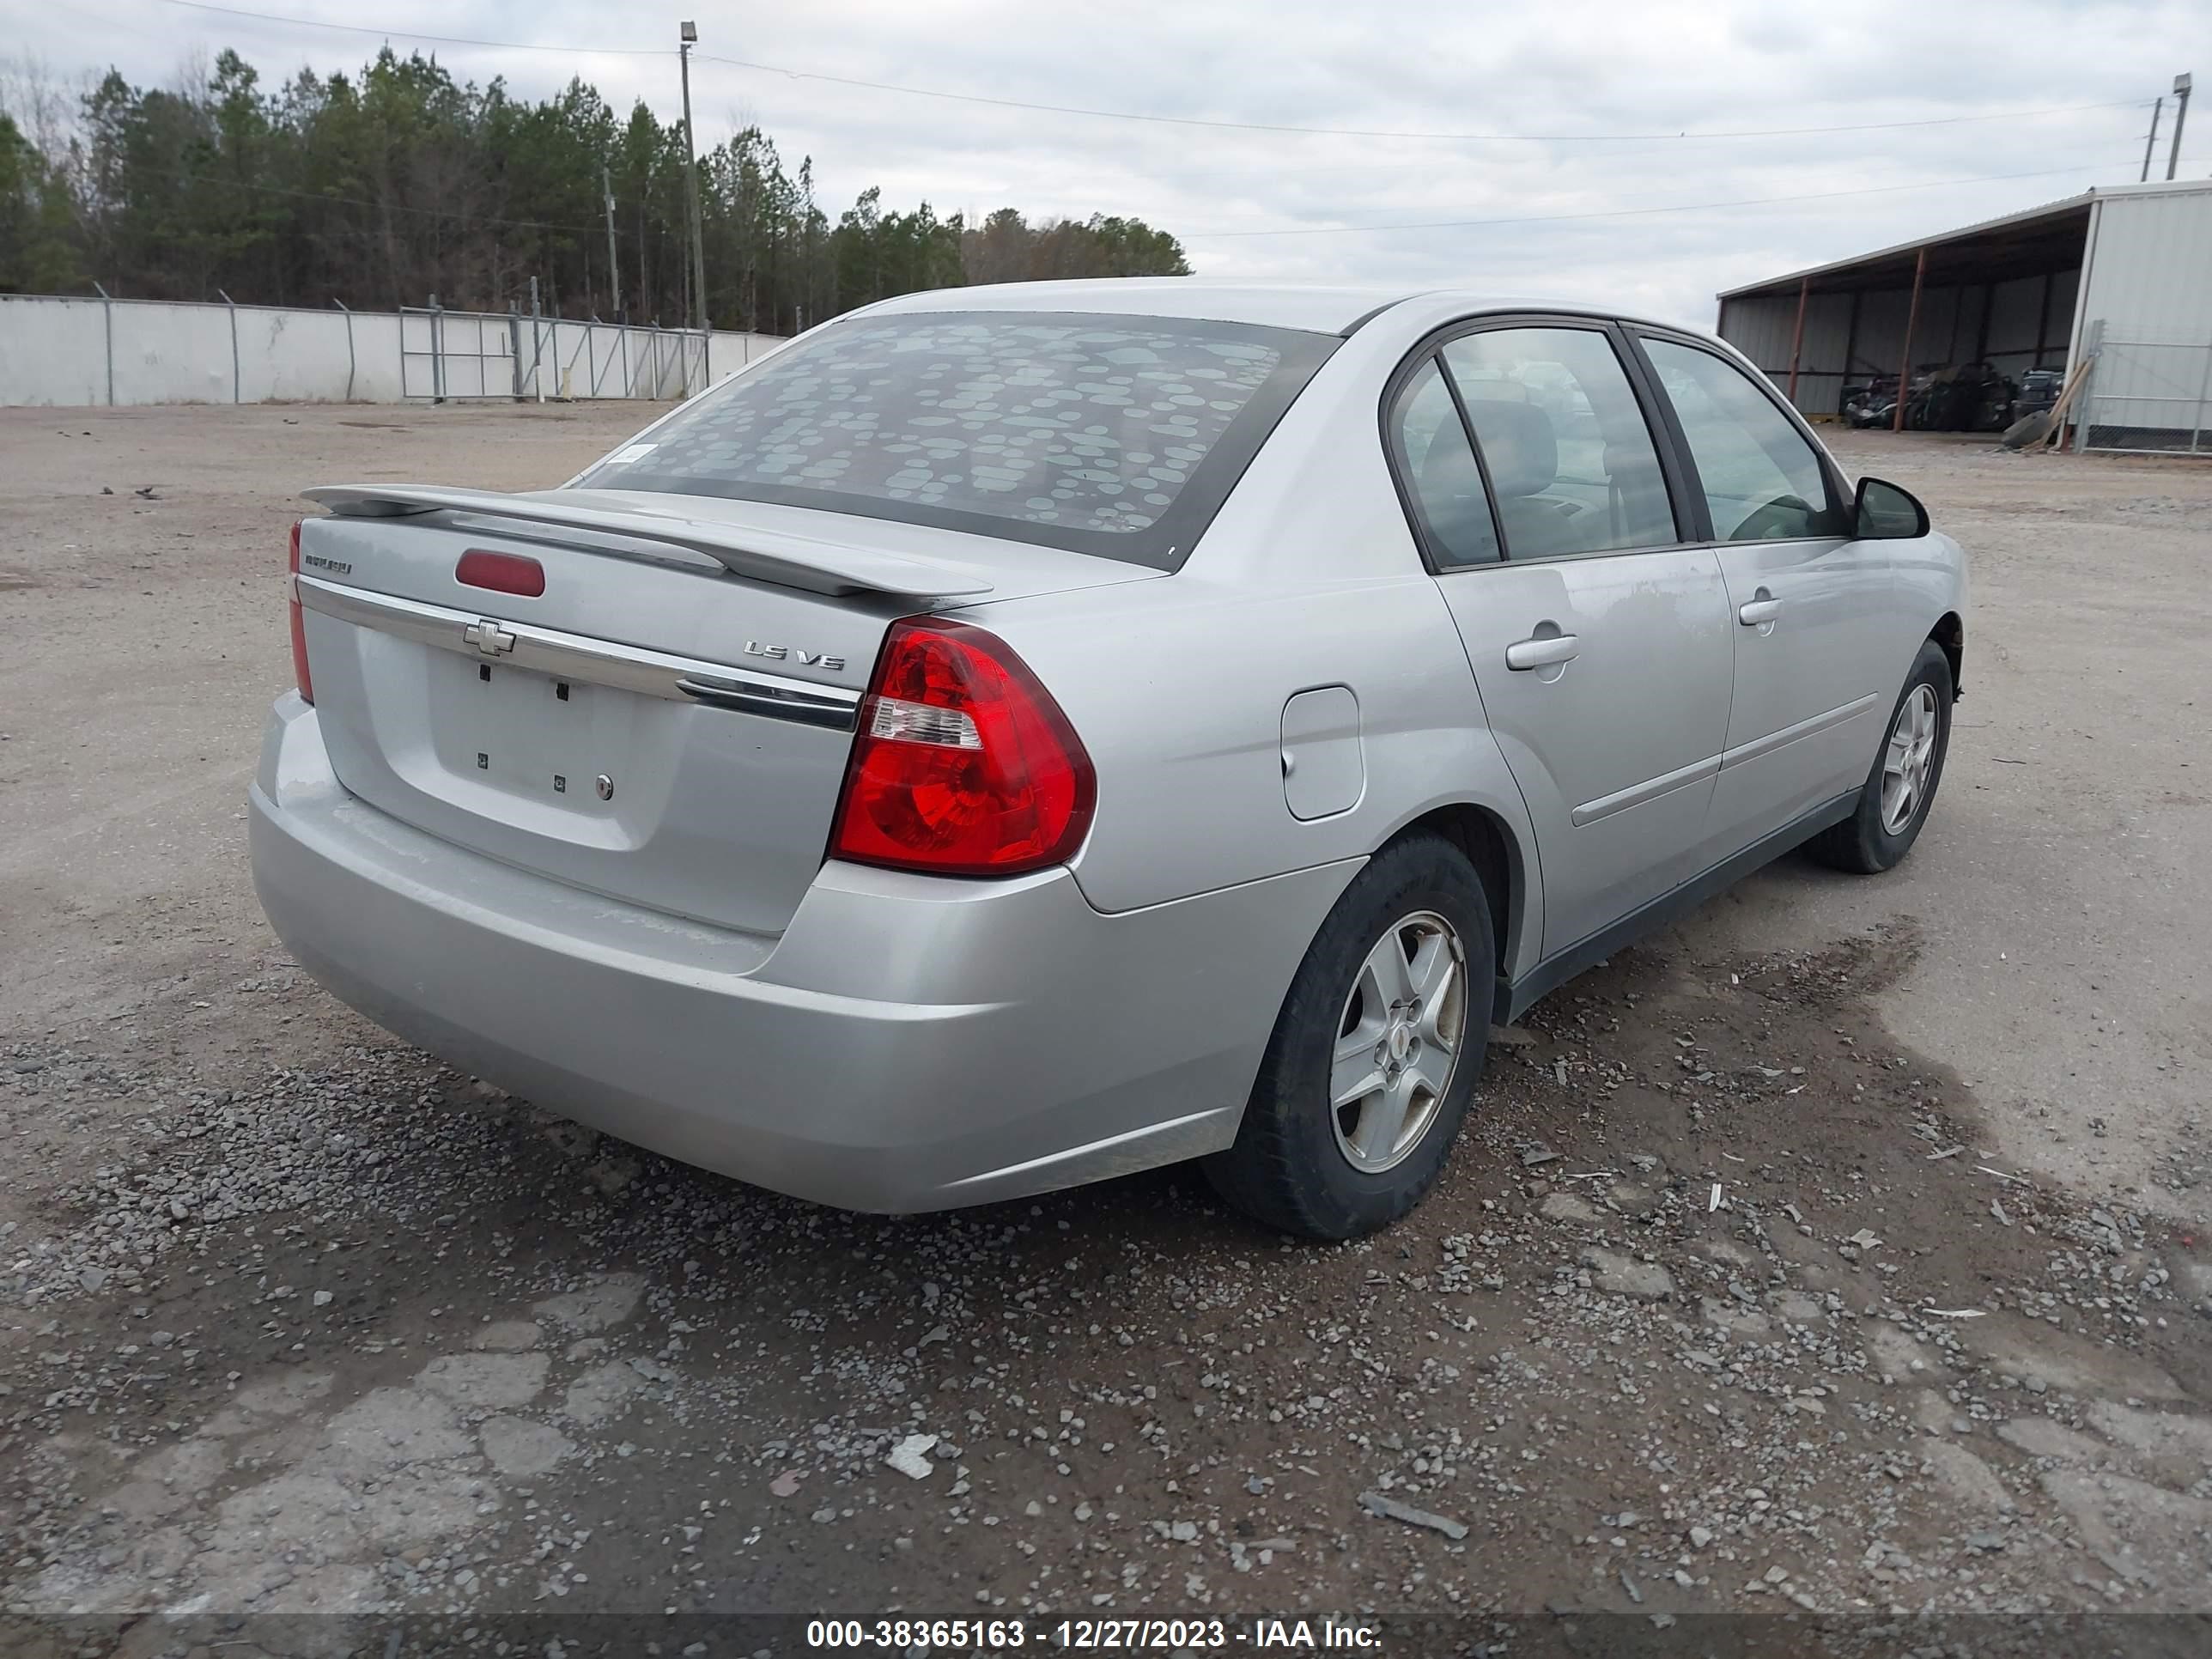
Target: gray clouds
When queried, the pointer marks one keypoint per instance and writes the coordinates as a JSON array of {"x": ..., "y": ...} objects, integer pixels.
[{"x": 1573, "y": 67}]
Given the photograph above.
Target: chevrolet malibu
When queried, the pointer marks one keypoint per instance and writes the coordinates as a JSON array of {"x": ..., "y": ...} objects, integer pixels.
[{"x": 1011, "y": 737}]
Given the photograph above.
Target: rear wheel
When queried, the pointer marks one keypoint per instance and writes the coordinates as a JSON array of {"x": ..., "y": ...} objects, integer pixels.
[
  {"x": 1376, "y": 1054},
  {"x": 1901, "y": 787}
]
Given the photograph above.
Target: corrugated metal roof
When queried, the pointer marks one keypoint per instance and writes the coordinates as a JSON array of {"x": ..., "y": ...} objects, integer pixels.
[{"x": 2025, "y": 218}]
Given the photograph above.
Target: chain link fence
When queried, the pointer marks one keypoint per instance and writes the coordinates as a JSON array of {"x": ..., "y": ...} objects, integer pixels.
[{"x": 448, "y": 356}]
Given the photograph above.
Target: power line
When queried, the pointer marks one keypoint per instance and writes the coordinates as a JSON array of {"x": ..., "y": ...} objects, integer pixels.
[
  {"x": 412, "y": 34},
  {"x": 1384, "y": 132},
  {"x": 1626, "y": 213},
  {"x": 1278, "y": 128},
  {"x": 185, "y": 176}
]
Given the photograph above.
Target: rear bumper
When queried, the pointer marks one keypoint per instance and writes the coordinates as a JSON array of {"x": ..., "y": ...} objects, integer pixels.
[{"x": 908, "y": 1043}]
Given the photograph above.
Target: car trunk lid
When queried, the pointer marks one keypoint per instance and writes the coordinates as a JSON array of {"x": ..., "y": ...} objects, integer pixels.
[{"x": 668, "y": 722}]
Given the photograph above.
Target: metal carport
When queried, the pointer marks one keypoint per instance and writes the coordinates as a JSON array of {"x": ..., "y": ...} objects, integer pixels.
[
  {"x": 2005, "y": 291},
  {"x": 2123, "y": 274}
]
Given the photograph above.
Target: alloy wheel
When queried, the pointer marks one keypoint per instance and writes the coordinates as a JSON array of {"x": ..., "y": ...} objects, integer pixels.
[
  {"x": 1398, "y": 1041},
  {"x": 1909, "y": 759}
]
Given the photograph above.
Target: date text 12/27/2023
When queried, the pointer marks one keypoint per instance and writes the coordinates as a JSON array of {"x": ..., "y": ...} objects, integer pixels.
[{"x": 1009, "y": 1635}]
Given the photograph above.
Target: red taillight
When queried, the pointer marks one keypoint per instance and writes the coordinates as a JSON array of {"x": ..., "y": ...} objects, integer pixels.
[
  {"x": 963, "y": 764},
  {"x": 502, "y": 573},
  {"x": 299, "y": 628}
]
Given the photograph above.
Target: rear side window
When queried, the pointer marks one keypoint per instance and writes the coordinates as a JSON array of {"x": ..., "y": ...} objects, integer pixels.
[
  {"x": 1570, "y": 461},
  {"x": 1107, "y": 435},
  {"x": 1762, "y": 481},
  {"x": 1440, "y": 471}
]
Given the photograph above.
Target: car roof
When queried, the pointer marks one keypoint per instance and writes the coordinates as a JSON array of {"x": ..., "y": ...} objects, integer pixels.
[{"x": 1317, "y": 308}]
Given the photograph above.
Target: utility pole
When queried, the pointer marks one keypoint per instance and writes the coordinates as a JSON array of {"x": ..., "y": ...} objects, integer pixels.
[
  {"x": 2157, "y": 109},
  {"x": 614, "y": 271},
  {"x": 688, "y": 33},
  {"x": 2181, "y": 85}
]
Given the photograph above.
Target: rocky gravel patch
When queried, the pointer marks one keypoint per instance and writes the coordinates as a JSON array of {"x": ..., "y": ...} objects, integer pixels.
[{"x": 1720, "y": 1309}]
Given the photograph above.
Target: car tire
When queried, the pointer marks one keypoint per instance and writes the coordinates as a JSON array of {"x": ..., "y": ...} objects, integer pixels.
[
  {"x": 1308, "y": 1166},
  {"x": 1883, "y": 827}
]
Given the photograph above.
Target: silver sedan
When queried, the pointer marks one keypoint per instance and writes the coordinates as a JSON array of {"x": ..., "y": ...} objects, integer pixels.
[{"x": 1012, "y": 737}]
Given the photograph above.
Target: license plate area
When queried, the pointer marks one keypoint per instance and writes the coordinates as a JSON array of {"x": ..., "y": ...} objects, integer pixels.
[{"x": 529, "y": 736}]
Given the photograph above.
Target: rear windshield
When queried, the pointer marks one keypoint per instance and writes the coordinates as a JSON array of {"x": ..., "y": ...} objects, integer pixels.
[{"x": 1107, "y": 435}]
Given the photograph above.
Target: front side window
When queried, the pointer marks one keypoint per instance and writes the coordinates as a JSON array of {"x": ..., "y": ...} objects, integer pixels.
[
  {"x": 1107, "y": 435},
  {"x": 1571, "y": 464},
  {"x": 1762, "y": 481},
  {"x": 1441, "y": 475}
]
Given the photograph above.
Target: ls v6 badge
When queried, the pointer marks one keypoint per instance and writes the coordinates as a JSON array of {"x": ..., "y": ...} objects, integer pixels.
[{"x": 782, "y": 653}]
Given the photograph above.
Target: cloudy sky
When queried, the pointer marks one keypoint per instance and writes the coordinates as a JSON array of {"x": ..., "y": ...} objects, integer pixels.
[{"x": 1640, "y": 150}]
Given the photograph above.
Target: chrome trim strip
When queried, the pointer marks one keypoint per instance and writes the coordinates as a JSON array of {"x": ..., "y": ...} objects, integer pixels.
[
  {"x": 1650, "y": 789},
  {"x": 593, "y": 662},
  {"x": 761, "y": 698},
  {"x": 1789, "y": 734}
]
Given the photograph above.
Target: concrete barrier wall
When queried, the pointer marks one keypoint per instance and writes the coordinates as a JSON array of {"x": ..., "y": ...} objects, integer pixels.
[
  {"x": 52, "y": 352},
  {"x": 71, "y": 351}
]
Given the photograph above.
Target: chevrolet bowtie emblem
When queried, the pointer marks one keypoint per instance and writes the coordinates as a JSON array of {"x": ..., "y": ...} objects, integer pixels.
[{"x": 488, "y": 637}]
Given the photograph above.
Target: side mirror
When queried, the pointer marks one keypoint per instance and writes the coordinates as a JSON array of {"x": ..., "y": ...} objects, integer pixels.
[{"x": 1886, "y": 512}]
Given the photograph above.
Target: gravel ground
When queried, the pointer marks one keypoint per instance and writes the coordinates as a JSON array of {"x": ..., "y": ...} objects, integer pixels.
[{"x": 1838, "y": 1257}]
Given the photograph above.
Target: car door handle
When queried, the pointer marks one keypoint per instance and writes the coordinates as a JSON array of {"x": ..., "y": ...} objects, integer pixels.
[
  {"x": 1754, "y": 613},
  {"x": 1542, "y": 651}
]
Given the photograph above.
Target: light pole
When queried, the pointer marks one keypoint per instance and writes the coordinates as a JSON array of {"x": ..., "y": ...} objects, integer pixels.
[
  {"x": 2181, "y": 85},
  {"x": 689, "y": 34}
]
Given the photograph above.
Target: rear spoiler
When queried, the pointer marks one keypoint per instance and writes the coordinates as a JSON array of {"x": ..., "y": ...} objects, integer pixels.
[{"x": 768, "y": 556}]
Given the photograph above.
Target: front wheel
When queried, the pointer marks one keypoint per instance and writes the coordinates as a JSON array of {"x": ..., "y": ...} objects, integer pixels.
[
  {"x": 1894, "y": 802},
  {"x": 1376, "y": 1053}
]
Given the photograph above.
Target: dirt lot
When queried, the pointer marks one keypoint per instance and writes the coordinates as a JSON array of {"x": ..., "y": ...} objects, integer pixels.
[{"x": 1839, "y": 1256}]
